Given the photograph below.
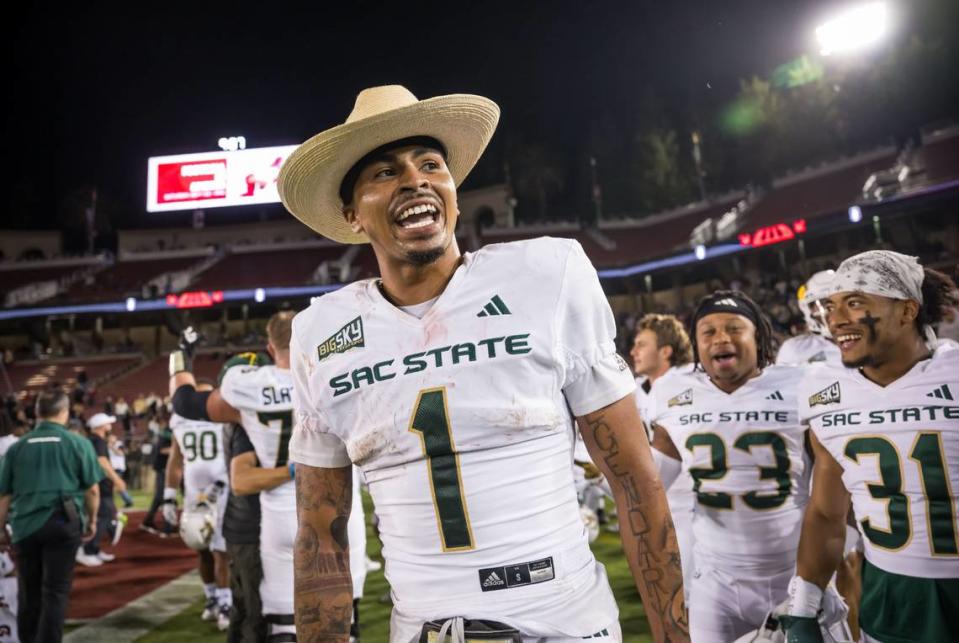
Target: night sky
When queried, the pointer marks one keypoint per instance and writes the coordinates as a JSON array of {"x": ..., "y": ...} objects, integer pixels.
[{"x": 97, "y": 90}]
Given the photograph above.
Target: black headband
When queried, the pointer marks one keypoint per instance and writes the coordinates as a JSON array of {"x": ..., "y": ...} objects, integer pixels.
[
  {"x": 349, "y": 181},
  {"x": 726, "y": 303}
]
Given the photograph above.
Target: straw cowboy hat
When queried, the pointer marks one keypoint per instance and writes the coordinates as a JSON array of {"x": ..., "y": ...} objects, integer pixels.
[{"x": 309, "y": 181}]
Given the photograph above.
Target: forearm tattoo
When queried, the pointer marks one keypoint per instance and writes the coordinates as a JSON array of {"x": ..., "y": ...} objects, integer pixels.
[
  {"x": 649, "y": 540},
  {"x": 323, "y": 594}
]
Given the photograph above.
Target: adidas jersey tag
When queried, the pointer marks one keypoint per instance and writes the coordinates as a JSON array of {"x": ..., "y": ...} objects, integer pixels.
[{"x": 536, "y": 571}]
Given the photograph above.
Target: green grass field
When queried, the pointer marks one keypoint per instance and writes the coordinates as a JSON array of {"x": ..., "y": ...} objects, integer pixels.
[{"x": 375, "y": 616}]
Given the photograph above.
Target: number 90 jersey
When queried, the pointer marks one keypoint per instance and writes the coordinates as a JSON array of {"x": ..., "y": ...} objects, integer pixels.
[
  {"x": 201, "y": 444},
  {"x": 459, "y": 420},
  {"x": 898, "y": 447},
  {"x": 745, "y": 453},
  {"x": 264, "y": 397}
]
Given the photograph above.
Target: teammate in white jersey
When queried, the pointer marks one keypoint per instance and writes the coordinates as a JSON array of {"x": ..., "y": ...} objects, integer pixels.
[
  {"x": 732, "y": 424},
  {"x": 261, "y": 399},
  {"x": 814, "y": 346},
  {"x": 450, "y": 382},
  {"x": 196, "y": 459},
  {"x": 885, "y": 431},
  {"x": 661, "y": 348}
]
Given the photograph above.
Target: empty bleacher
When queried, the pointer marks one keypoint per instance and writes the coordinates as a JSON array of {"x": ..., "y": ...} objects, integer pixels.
[
  {"x": 265, "y": 268},
  {"x": 125, "y": 278},
  {"x": 36, "y": 375}
]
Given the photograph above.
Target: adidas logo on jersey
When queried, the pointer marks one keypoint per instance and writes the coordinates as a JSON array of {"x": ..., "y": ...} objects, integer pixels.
[
  {"x": 828, "y": 395},
  {"x": 684, "y": 398},
  {"x": 818, "y": 357},
  {"x": 775, "y": 396},
  {"x": 350, "y": 336},
  {"x": 494, "y": 307},
  {"x": 493, "y": 580},
  {"x": 943, "y": 393}
]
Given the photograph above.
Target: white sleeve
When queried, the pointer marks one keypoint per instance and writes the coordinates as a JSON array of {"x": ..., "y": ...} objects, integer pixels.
[
  {"x": 595, "y": 375},
  {"x": 311, "y": 442},
  {"x": 233, "y": 391}
]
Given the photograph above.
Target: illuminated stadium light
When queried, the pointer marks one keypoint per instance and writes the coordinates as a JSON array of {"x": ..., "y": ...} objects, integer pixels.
[
  {"x": 259, "y": 295},
  {"x": 700, "y": 252},
  {"x": 131, "y": 304},
  {"x": 855, "y": 214},
  {"x": 854, "y": 29}
]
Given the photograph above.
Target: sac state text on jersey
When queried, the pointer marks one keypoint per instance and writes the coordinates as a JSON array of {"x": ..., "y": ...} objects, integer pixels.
[{"x": 490, "y": 348}]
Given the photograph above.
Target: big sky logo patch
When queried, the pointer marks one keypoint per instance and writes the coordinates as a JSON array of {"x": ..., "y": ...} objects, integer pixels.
[
  {"x": 828, "y": 395},
  {"x": 350, "y": 336}
]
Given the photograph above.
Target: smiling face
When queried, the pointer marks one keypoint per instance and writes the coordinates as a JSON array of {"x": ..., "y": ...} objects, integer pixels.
[
  {"x": 726, "y": 344},
  {"x": 404, "y": 200},
  {"x": 868, "y": 328}
]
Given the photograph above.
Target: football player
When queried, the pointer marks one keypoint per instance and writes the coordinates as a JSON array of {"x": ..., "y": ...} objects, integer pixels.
[
  {"x": 260, "y": 399},
  {"x": 732, "y": 424},
  {"x": 451, "y": 382},
  {"x": 815, "y": 344},
  {"x": 661, "y": 347},
  {"x": 885, "y": 432},
  {"x": 196, "y": 459}
]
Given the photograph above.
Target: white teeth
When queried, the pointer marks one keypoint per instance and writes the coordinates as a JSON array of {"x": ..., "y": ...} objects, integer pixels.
[
  {"x": 417, "y": 209},
  {"x": 419, "y": 224},
  {"x": 847, "y": 338}
]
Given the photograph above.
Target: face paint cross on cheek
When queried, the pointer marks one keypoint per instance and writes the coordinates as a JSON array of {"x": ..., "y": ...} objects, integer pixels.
[{"x": 870, "y": 322}]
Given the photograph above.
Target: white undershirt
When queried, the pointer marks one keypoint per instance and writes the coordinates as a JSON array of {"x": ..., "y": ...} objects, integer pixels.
[{"x": 418, "y": 310}]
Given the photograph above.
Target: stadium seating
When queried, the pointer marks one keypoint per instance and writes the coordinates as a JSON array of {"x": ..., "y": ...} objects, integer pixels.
[
  {"x": 125, "y": 278},
  {"x": 286, "y": 267},
  {"x": 36, "y": 375}
]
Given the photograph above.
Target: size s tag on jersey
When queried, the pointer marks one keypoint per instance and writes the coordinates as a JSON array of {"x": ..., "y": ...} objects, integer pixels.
[{"x": 507, "y": 576}]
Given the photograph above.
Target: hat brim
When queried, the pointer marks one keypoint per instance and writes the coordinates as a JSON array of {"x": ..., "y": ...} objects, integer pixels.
[{"x": 309, "y": 181}]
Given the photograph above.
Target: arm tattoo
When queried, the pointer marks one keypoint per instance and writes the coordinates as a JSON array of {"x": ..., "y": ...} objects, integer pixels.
[
  {"x": 652, "y": 549},
  {"x": 323, "y": 586}
]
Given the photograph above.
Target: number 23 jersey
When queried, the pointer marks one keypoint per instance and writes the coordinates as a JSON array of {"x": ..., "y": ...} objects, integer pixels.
[
  {"x": 459, "y": 420},
  {"x": 744, "y": 451},
  {"x": 898, "y": 447}
]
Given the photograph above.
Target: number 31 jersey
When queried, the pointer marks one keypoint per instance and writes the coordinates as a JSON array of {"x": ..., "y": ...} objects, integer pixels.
[
  {"x": 744, "y": 451},
  {"x": 264, "y": 397},
  {"x": 898, "y": 447},
  {"x": 460, "y": 423}
]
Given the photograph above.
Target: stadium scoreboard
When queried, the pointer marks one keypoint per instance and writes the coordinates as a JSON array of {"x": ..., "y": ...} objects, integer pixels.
[{"x": 214, "y": 179}]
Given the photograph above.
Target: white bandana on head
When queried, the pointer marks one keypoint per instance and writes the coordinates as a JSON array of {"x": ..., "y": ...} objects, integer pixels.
[{"x": 883, "y": 273}]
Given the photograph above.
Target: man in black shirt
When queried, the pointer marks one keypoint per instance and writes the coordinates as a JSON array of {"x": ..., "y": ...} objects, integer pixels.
[
  {"x": 90, "y": 555},
  {"x": 241, "y": 529}
]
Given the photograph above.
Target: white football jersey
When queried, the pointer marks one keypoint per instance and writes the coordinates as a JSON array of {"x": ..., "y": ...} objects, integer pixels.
[
  {"x": 898, "y": 447},
  {"x": 744, "y": 451},
  {"x": 201, "y": 444},
  {"x": 808, "y": 348},
  {"x": 461, "y": 420},
  {"x": 264, "y": 397}
]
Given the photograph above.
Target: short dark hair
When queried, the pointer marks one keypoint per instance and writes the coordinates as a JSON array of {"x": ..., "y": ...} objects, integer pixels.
[
  {"x": 669, "y": 331},
  {"x": 349, "y": 180},
  {"x": 938, "y": 291},
  {"x": 765, "y": 341},
  {"x": 51, "y": 404}
]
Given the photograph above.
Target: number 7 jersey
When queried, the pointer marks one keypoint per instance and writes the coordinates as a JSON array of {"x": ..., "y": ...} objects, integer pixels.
[
  {"x": 898, "y": 447},
  {"x": 263, "y": 396},
  {"x": 460, "y": 423}
]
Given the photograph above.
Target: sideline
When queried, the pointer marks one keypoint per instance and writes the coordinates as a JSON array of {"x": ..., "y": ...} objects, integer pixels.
[{"x": 145, "y": 614}]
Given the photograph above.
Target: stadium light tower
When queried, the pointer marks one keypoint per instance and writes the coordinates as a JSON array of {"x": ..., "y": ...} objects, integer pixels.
[{"x": 853, "y": 29}]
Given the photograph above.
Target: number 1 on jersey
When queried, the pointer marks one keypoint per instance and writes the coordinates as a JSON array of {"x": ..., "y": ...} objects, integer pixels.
[{"x": 431, "y": 421}]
